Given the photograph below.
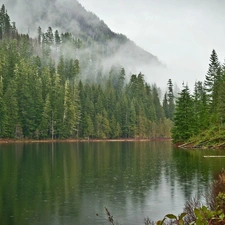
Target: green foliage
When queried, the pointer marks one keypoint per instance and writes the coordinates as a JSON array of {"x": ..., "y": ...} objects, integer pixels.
[
  {"x": 45, "y": 93},
  {"x": 168, "y": 101},
  {"x": 200, "y": 120},
  {"x": 220, "y": 201},
  {"x": 184, "y": 121},
  {"x": 203, "y": 216},
  {"x": 176, "y": 219},
  {"x": 6, "y": 28}
]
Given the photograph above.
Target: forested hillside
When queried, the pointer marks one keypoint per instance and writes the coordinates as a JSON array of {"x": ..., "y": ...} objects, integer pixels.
[
  {"x": 45, "y": 94},
  {"x": 200, "y": 117},
  {"x": 98, "y": 44}
]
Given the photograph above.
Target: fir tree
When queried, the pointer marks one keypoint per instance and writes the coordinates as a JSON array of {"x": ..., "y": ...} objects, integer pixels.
[
  {"x": 69, "y": 117},
  {"x": 2, "y": 110},
  {"x": 171, "y": 105},
  {"x": 212, "y": 77},
  {"x": 183, "y": 121}
]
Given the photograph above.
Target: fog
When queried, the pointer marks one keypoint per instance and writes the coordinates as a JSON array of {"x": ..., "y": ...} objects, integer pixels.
[{"x": 180, "y": 33}]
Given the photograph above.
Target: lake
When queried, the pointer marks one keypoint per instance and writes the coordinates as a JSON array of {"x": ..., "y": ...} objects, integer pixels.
[{"x": 69, "y": 183}]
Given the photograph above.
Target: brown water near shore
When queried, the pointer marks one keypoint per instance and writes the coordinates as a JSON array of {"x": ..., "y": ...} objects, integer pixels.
[{"x": 2, "y": 141}]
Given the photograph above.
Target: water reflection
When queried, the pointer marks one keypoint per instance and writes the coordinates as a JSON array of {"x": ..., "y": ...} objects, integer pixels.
[{"x": 68, "y": 183}]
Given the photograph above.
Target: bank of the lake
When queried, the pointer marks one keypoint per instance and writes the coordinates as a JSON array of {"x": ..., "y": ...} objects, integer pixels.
[
  {"x": 81, "y": 140},
  {"x": 211, "y": 138},
  {"x": 209, "y": 144}
]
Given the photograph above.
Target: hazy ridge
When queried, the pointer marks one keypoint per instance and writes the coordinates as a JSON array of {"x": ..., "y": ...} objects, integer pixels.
[{"x": 70, "y": 16}]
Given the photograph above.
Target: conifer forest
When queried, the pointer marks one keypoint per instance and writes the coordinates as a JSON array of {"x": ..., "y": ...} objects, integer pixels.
[
  {"x": 48, "y": 94},
  {"x": 200, "y": 116},
  {"x": 51, "y": 87}
]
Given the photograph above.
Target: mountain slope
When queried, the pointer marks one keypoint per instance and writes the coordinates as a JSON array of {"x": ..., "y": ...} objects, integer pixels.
[{"x": 70, "y": 16}]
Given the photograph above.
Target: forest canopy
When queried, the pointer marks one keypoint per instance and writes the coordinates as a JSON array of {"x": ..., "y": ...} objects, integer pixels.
[{"x": 44, "y": 93}]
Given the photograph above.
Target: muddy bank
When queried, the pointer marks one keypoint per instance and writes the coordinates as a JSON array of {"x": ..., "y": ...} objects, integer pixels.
[{"x": 5, "y": 141}]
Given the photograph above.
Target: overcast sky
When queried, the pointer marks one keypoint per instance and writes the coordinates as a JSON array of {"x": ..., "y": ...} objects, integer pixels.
[{"x": 181, "y": 33}]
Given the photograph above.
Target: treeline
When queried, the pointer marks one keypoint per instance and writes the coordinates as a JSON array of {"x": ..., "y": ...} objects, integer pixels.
[
  {"x": 43, "y": 95},
  {"x": 201, "y": 115}
]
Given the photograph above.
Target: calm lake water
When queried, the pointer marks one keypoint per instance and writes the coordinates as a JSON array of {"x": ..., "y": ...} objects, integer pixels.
[{"x": 68, "y": 183}]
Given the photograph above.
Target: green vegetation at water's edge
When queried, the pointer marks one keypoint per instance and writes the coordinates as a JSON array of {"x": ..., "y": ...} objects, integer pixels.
[
  {"x": 194, "y": 212},
  {"x": 46, "y": 93},
  {"x": 197, "y": 214},
  {"x": 200, "y": 117}
]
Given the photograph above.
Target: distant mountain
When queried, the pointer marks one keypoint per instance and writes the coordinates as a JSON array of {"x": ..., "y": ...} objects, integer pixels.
[{"x": 70, "y": 16}]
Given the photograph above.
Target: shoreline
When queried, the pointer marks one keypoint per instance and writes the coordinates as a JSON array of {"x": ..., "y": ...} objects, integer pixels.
[
  {"x": 9, "y": 141},
  {"x": 191, "y": 145}
]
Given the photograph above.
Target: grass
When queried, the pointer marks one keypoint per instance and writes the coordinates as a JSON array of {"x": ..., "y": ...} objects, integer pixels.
[{"x": 212, "y": 138}]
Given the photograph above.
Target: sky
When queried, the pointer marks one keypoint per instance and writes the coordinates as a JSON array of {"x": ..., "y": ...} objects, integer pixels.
[{"x": 181, "y": 33}]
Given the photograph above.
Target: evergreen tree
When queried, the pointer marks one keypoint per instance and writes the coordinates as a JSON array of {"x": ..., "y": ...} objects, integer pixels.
[
  {"x": 124, "y": 116},
  {"x": 141, "y": 123},
  {"x": 39, "y": 36},
  {"x": 2, "y": 22},
  {"x": 140, "y": 86},
  {"x": 57, "y": 105},
  {"x": 211, "y": 79},
  {"x": 25, "y": 102},
  {"x": 105, "y": 124},
  {"x": 148, "y": 103},
  {"x": 171, "y": 105},
  {"x": 168, "y": 101},
  {"x": 158, "y": 108},
  {"x": 46, "y": 49},
  {"x": 122, "y": 76},
  {"x": 184, "y": 122},
  {"x": 201, "y": 113},
  {"x": 5, "y": 24},
  {"x": 99, "y": 130},
  {"x": 57, "y": 40},
  {"x": 14, "y": 32},
  {"x": 132, "y": 120},
  {"x": 46, "y": 82},
  {"x": 69, "y": 117},
  {"x": 88, "y": 126},
  {"x": 220, "y": 110},
  {"x": 61, "y": 70},
  {"x": 11, "y": 105},
  {"x": 2, "y": 110},
  {"x": 35, "y": 85},
  {"x": 166, "y": 105},
  {"x": 50, "y": 36},
  {"x": 46, "y": 128}
]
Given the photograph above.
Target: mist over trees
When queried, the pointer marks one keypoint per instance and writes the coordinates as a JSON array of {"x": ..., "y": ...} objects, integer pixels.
[
  {"x": 46, "y": 93},
  {"x": 54, "y": 85},
  {"x": 71, "y": 18}
]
